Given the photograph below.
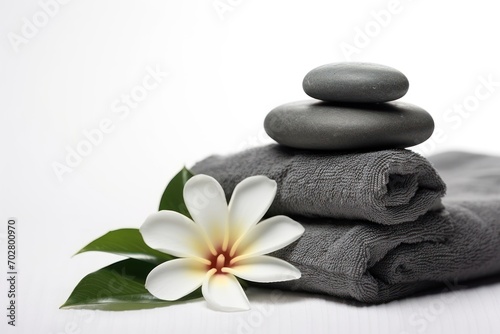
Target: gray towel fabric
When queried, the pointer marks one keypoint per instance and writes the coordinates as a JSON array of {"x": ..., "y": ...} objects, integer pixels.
[
  {"x": 338, "y": 257},
  {"x": 373, "y": 265},
  {"x": 469, "y": 175},
  {"x": 376, "y": 263},
  {"x": 387, "y": 187}
]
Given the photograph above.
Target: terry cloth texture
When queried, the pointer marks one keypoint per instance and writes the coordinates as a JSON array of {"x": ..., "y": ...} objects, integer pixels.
[
  {"x": 387, "y": 187},
  {"x": 375, "y": 263}
]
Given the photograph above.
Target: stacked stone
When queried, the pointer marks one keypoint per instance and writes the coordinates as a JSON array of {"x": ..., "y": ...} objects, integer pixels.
[{"x": 352, "y": 111}]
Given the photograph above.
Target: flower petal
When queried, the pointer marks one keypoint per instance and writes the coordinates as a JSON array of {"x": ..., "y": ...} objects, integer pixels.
[
  {"x": 175, "y": 279},
  {"x": 264, "y": 269},
  {"x": 251, "y": 199},
  {"x": 223, "y": 292},
  {"x": 207, "y": 204},
  {"x": 174, "y": 234},
  {"x": 267, "y": 236}
]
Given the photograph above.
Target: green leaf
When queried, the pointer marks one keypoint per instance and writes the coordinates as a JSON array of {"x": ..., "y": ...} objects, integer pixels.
[
  {"x": 127, "y": 242},
  {"x": 172, "y": 198},
  {"x": 118, "y": 287}
]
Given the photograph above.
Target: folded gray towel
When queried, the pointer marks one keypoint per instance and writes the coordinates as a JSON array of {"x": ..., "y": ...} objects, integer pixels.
[
  {"x": 387, "y": 187},
  {"x": 338, "y": 257},
  {"x": 469, "y": 175},
  {"x": 377, "y": 263},
  {"x": 374, "y": 263}
]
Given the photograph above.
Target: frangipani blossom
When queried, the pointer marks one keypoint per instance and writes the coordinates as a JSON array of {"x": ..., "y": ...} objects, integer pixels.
[{"x": 222, "y": 242}]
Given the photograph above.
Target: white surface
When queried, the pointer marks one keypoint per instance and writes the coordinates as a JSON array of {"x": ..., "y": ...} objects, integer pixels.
[{"x": 224, "y": 76}]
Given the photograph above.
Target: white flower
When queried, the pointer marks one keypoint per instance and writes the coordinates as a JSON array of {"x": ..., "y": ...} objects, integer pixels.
[{"x": 222, "y": 242}]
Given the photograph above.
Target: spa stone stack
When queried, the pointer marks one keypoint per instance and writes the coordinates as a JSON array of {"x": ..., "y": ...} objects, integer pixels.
[{"x": 352, "y": 111}]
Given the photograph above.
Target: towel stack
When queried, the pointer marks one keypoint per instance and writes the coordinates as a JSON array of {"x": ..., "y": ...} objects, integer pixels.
[{"x": 375, "y": 229}]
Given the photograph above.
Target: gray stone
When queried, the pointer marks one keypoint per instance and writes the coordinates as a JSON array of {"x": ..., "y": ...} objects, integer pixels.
[
  {"x": 355, "y": 82},
  {"x": 320, "y": 125}
]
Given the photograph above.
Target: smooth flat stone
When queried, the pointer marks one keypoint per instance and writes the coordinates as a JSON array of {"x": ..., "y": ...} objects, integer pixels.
[
  {"x": 320, "y": 125},
  {"x": 355, "y": 82}
]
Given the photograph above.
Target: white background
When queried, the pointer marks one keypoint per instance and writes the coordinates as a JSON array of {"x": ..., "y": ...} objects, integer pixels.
[{"x": 225, "y": 72}]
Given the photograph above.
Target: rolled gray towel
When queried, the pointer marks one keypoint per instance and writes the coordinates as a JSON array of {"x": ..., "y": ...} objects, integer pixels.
[
  {"x": 374, "y": 263},
  {"x": 387, "y": 187},
  {"x": 338, "y": 257}
]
